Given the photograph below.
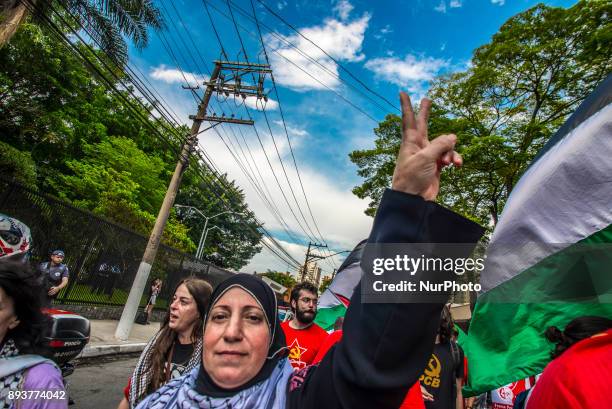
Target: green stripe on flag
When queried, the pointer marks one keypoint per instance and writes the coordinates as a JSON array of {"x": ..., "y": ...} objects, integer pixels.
[
  {"x": 326, "y": 317},
  {"x": 506, "y": 340}
]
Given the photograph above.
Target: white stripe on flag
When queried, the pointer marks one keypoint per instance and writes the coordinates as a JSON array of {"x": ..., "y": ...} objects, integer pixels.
[{"x": 562, "y": 198}]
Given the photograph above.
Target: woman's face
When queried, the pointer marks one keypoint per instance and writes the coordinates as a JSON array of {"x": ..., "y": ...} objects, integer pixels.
[
  {"x": 8, "y": 319},
  {"x": 236, "y": 339},
  {"x": 183, "y": 311}
]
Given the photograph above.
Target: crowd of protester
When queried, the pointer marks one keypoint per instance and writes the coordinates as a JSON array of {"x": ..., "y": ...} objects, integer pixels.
[{"x": 226, "y": 347}]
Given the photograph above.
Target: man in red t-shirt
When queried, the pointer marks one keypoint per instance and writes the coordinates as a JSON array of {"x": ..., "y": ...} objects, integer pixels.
[{"x": 304, "y": 337}]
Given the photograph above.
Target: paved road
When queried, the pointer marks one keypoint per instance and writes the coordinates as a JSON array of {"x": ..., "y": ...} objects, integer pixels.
[{"x": 98, "y": 383}]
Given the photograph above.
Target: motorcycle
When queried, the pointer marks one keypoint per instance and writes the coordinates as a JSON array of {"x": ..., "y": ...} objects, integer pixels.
[{"x": 68, "y": 337}]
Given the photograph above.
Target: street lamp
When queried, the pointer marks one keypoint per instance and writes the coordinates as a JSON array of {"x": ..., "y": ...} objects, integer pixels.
[
  {"x": 206, "y": 234},
  {"x": 200, "y": 249}
]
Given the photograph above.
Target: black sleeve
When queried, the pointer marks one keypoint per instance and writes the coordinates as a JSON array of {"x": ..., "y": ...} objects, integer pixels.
[{"x": 384, "y": 346}]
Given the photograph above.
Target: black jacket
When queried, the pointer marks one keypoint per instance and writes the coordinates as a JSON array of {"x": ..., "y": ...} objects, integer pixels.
[{"x": 384, "y": 346}]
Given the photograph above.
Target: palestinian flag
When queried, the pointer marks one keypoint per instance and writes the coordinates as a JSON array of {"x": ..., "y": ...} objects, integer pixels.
[
  {"x": 335, "y": 300},
  {"x": 550, "y": 257}
]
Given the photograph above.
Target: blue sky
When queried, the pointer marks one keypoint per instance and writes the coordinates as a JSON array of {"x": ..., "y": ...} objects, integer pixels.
[{"x": 388, "y": 45}]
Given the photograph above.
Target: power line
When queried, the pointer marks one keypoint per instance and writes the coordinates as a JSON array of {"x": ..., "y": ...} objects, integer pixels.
[
  {"x": 72, "y": 48},
  {"x": 311, "y": 59},
  {"x": 270, "y": 203},
  {"x": 356, "y": 107},
  {"x": 265, "y": 153},
  {"x": 285, "y": 127},
  {"x": 249, "y": 177},
  {"x": 269, "y": 127},
  {"x": 215, "y": 30},
  {"x": 363, "y": 84}
]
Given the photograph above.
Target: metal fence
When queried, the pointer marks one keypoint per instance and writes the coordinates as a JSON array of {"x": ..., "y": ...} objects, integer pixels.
[{"x": 102, "y": 256}]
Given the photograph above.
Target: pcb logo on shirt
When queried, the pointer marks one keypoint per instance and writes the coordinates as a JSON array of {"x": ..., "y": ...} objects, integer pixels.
[
  {"x": 295, "y": 355},
  {"x": 431, "y": 374}
]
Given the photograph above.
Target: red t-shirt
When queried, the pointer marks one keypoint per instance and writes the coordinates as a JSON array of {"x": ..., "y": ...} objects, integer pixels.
[
  {"x": 579, "y": 378},
  {"x": 327, "y": 344},
  {"x": 303, "y": 344}
]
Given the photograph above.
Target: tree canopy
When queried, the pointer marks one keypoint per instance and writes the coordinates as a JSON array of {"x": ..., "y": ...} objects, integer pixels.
[
  {"x": 106, "y": 22},
  {"x": 283, "y": 279},
  {"x": 66, "y": 133},
  {"x": 519, "y": 89}
]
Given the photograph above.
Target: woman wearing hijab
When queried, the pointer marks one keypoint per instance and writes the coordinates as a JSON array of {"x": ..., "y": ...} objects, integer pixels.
[
  {"x": 177, "y": 348},
  {"x": 385, "y": 346}
]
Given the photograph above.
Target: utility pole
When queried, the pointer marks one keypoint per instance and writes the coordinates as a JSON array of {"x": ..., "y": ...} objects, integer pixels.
[
  {"x": 310, "y": 257},
  {"x": 219, "y": 84}
]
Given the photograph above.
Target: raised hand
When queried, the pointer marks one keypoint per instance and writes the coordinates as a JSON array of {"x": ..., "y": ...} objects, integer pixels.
[{"x": 420, "y": 161}]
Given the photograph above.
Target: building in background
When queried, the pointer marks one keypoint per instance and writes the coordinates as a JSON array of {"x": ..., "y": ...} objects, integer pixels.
[{"x": 312, "y": 273}]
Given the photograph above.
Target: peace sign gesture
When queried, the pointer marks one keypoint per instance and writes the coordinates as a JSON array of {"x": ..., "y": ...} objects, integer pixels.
[{"x": 420, "y": 161}]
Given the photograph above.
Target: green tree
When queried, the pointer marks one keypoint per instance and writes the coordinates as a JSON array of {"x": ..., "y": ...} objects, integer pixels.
[
  {"x": 283, "y": 279},
  {"x": 520, "y": 88},
  {"x": 17, "y": 165},
  {"x": 237, "y": 238},
  {"x": 91, "y": 148},
  {"x": 118, "y": 180},
  {"x": 107, "y": 21}
]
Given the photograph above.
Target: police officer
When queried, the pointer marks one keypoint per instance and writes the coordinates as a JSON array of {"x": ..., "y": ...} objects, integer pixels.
[{"x": 55, "y": 273}]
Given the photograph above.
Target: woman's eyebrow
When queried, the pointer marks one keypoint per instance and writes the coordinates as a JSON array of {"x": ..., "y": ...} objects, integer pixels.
[
  {"x": 252, "y": 307},
  {"x": 244, "y": 308}
]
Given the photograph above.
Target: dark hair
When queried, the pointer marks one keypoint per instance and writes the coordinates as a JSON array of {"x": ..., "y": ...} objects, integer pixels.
[
  {"x": 578, "y": 329},
  {"x": 22, "y": 286},
  {"x": 201, "y": 291},
  {"x": 305, "y": 285},
  {"x": 447, "y": 325}
]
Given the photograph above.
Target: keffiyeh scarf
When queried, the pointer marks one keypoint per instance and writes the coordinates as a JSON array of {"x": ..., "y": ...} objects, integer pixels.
[
  {"x": 11, "y": 382},
  {"x": 142, "y": 376},
  {"x": 180, "y": 393}
]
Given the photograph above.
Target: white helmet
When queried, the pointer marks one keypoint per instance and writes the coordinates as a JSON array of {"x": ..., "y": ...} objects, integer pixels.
[{"x": 15, "y": 238}]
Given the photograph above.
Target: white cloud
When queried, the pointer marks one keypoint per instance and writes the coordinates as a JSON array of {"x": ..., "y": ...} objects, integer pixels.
[
  {"x": 441, "y": 7},
  {"x": 292, "y": 130},
  {"x": 386, "y": 29},
  {"x": 343, "y": 8},
  {"x": 408, "y": 71},
  {"x": 173, "y": 75},
  {"x": 383, "y": 31},
  {"x": 281, "y": 5},
  {"x": 341, "y": 40},
  {"x": 339, "y": 213},
  {"x": 267, "y": 260},
  {"x": 455, "y": 4},
  {"x": 500, "y": 2},
  {"x": 260, "y": 104}
]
